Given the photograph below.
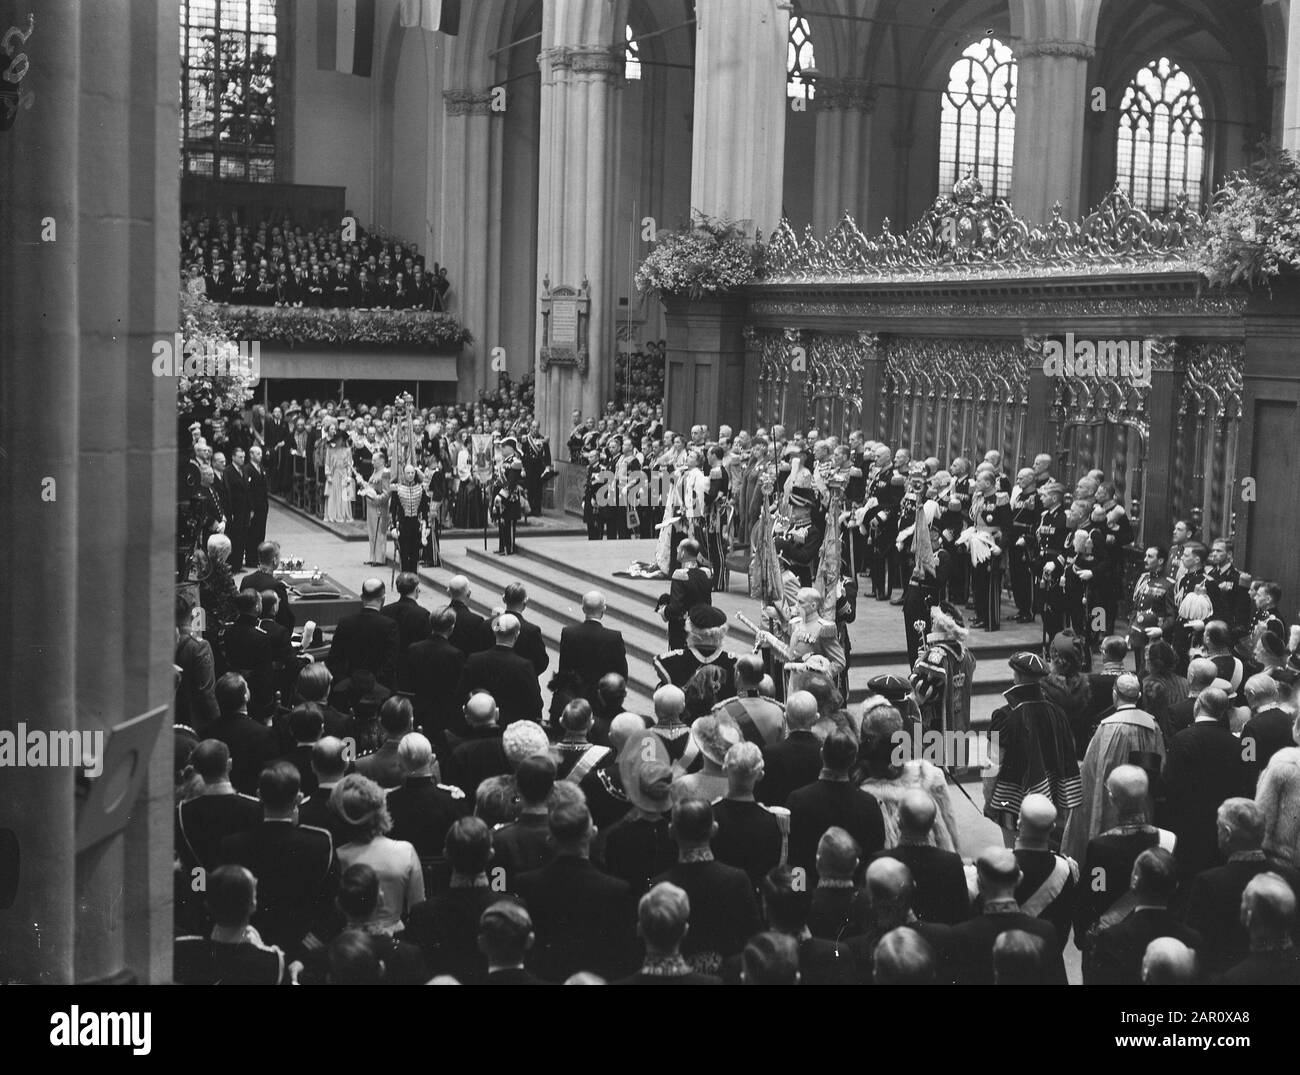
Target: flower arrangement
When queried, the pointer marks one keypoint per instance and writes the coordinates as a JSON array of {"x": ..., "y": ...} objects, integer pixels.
[
  {"x": 1252, "y": 232},
  {"x": 710, "y": 257},
  {"x": 214, "y": 393},
  {"x": 342, "y": 327}
]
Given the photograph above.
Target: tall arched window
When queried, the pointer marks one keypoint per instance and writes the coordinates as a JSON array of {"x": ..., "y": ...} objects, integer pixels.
[
  {"x": 800, "y": 59},
  {"x": 1161, "y": 148},
  {"x": 228, "y": 88},
  {"x": 632, "y": 57},
  {"x": 977, "y": 119}
]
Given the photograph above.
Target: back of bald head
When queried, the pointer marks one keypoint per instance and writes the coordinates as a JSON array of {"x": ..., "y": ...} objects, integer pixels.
[
  {"x": 1260, "y": 689},
  {"x": 622, "y": 728},
  {"x": 1128, "y": 688},
  {"x": 593, "y": 604},
  {"x": 670, "y": 702},
  {"x": 458, "y": 587},
  {"x": 505, "y": 628},
  {"x": 890, "y": 881},
  {"x": 576, "y": 716},
  {"x": 1268, "y": 906},
  {"x": 997, "y": 870},
  {"x": 1212, "y": 702},
  {"x": 1037, "y": 816},
  {"x": 1201, "y": 673},
  {"x": 480, "y": 710},
  {"x": 1127, "y": 786},
  {"x": 1168, "y": 962},
  {"x": 329, "y": 758},
  {"x": 903, "y": 957},
  {"x": 916, "y": 814},
  {"x": 800, "y": 711}
]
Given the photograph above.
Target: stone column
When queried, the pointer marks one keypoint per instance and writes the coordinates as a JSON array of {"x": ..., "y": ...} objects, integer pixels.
[
  {"x": 470, "y": 199},
  {"x": 573, "y": 209},
  {"x": 88, "y": 639},
  {"x": 1051, "y": 98},
  {"x": 1290, "y": 88},
  {"x": 841, "y": 173},
  {"x": 738, "y": 144}
]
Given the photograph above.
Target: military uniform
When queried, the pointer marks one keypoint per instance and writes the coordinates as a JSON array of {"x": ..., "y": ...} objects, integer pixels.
[
  {"x": 596, "y": 477},
  {"x": 942, "y": 677},
  {"x": 953, "y": 521},
  {"x": 1229, "y": 597},
  {"x": 994, "y": 517},
  {"x": 508, "y": 506},
  {"x": 920, "y": 596},
  {"x": 1051, "y": 536},
  {"x": 678, "y": 665},
  {"x": 882, "y": 531},
  {"x": 1026, "y": 511},
  {"x": 1153, "y": 605}
]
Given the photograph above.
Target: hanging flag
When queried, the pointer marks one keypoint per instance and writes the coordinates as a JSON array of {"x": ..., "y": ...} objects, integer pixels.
[
  {"x": 921, "y": 544},
  {"x": 441, "y": 15},
  {"x": 345, "y": 36}
]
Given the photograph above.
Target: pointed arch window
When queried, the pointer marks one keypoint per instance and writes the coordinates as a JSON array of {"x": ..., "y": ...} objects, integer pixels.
[
  {"x": 228, "y": 92},
  {"x": 800, "y": 61},
  {"x": 631, "y": 57},
  {"x": 977, "y": 118},
  {"x": 1160, "y": 151}
]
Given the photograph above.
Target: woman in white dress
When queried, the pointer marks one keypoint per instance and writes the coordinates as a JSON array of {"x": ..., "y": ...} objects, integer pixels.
[
  {"x": 360, "y": 802},
  {"x": 338, "y": 480}
]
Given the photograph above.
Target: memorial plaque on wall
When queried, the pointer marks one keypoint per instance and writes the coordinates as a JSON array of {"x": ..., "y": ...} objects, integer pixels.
[{"x": 564, "y": 322}]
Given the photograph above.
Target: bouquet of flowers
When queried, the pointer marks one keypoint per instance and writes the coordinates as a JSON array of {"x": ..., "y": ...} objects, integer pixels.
[
  {"x": 214, "y": 391},
  {"x": 1252, "y": 232},
  {"x": 710, "y": 257}
]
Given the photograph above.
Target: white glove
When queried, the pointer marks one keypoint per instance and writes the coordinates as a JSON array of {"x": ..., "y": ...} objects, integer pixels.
[
  {"x": 1086, "y": 575},
  {"x": 1049, "y": 569},
  {"x": 1196, "y": 625},
  {"x": 1154, "y": 632}
]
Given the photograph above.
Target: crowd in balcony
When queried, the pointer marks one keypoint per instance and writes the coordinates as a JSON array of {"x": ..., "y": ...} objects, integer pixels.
[{"x": 280, "y": 263}]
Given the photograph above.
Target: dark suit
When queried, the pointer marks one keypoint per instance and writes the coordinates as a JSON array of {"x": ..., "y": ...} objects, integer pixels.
[
  {"x": 1278, "y": 967},
  {"x": 1267, "y": 732},
  {"x": 510, "y": 680},
  {"x": 1213, "y": 909},
  {"x": 384, "y": 766},
  {"x": 724, "y": 911},
  {"x": 202, "y": 823},
  {"x": 422, "y": 812},
  {"x": 431, "y": 670},
  {"x": 690, "y": 587},
  {"x": 252, "y": 747},
  {"x": 1117, "y": 958},
  {"x": 969, "y": 947},
  {"x": 296, "y": 877},
  {"x": 412, "y": 622},
  {"x": 1105, "y": 872},
  {"x": 787, "y": 765},
  {"x": 1180, "y": 715},
  {"x": 591, "y": 650},
  {"x": 583, "y": 919},
  {"x": 238, "y": 516},
  {"x": 471, "y": 633},
  {"x": 480, "y": 756},
  {"x": 522, "y": 845},
  {"x": 249, "y": 651},
  {"x": 941, "y": 893},
  {"x": 513, "y": 976},
  {"x": 1203, "y": 767},
  {"x": 261, "y": 580},
  {"x": 837, "y": 913},
  {"x": 530, "y": 645},
  {"x": 366, "y": 639},
  {"x": 815, "y": 807},
  {"x": 258, "y": 508},
  {"x": 445, "y": 926},
  {"x": 821, "y": 962},
  {"x": 316, "y": 811},
  {"x": 748, "y": 837}
]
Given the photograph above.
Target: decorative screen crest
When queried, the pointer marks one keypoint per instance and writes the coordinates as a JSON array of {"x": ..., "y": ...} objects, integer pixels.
[{"x": 968, "y": 233}]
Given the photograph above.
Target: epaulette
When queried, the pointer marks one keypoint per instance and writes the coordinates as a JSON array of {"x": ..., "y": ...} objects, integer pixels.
[
  {"x": 250, "y": 798},
  {"x": 452, "y": 790}
]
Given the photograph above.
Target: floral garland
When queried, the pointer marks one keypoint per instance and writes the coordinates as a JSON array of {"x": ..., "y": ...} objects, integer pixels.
[
  {"x": 1252, "y": 232},
  {"x": 213, "y": 393},
  {"x": 301, "y": 325},
  {"x": 709, "y": 258}
]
